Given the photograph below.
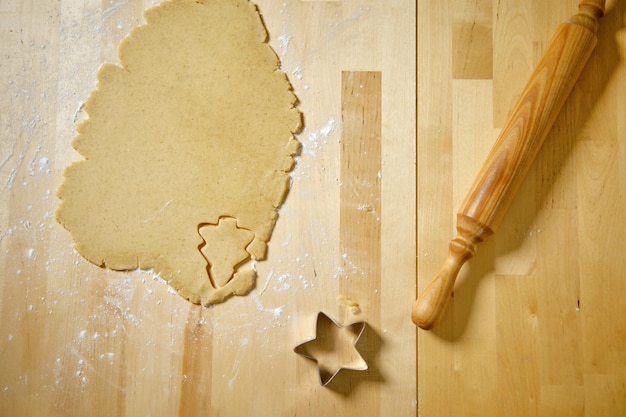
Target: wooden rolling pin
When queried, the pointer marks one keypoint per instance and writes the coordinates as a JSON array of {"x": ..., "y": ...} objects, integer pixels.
[{"x": 514, "y": 151}]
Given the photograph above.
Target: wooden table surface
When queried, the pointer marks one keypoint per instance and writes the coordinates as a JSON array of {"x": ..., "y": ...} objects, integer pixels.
[
  {"x": 537, "y": 323},
  {"x": 78, "y": 340}
]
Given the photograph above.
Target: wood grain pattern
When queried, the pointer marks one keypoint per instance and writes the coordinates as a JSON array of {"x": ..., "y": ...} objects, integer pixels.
[
  {"x": 472, "y": 39},
  {"x": 360, "y": 217},
  {"x": 78, "y": 340},
  {"x": 528, "y": 322}
]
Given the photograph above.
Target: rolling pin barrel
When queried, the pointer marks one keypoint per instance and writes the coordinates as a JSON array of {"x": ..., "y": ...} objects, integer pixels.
[{"x": 514, "y": 151}]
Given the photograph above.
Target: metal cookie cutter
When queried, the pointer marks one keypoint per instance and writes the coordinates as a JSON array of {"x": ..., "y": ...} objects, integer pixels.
[{"x": 334, "y": 347}]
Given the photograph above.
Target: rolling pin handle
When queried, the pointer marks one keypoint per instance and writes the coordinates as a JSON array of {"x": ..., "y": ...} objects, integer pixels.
[
  {"x": 589, "y": 14},
  {"x": 431, "y": 305},
  {"x": 592, "y": 8}
]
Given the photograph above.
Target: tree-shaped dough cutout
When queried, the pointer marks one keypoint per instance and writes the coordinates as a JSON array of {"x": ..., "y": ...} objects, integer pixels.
[{"x": 224, "y": 248}]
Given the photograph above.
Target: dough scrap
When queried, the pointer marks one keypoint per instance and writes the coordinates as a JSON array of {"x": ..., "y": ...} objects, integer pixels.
[{"x": 192, "y": 134}]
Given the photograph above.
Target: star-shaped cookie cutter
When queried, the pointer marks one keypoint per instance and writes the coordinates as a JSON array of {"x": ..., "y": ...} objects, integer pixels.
[{"x": 334, "y": 347}]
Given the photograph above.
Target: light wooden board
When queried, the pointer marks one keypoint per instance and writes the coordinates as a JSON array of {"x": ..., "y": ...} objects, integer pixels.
[
  {"x": 537, "y": 325},
  {"x": 79, "y": 340}
]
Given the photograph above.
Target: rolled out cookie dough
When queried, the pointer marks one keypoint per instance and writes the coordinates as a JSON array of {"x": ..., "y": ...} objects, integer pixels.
[{"x": 187, "y": 150}]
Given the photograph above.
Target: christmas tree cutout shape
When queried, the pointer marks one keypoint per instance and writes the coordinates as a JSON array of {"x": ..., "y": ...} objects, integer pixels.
[{"x": 224, "y": 248}]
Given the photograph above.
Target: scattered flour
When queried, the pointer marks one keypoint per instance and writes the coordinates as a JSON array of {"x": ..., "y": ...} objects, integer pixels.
[
  {"x": 275, "y": 312},
  {"x": 313, "y": 141},
  {"x": 31, "y": 253},
  {"x": 285, "y": 40}
]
